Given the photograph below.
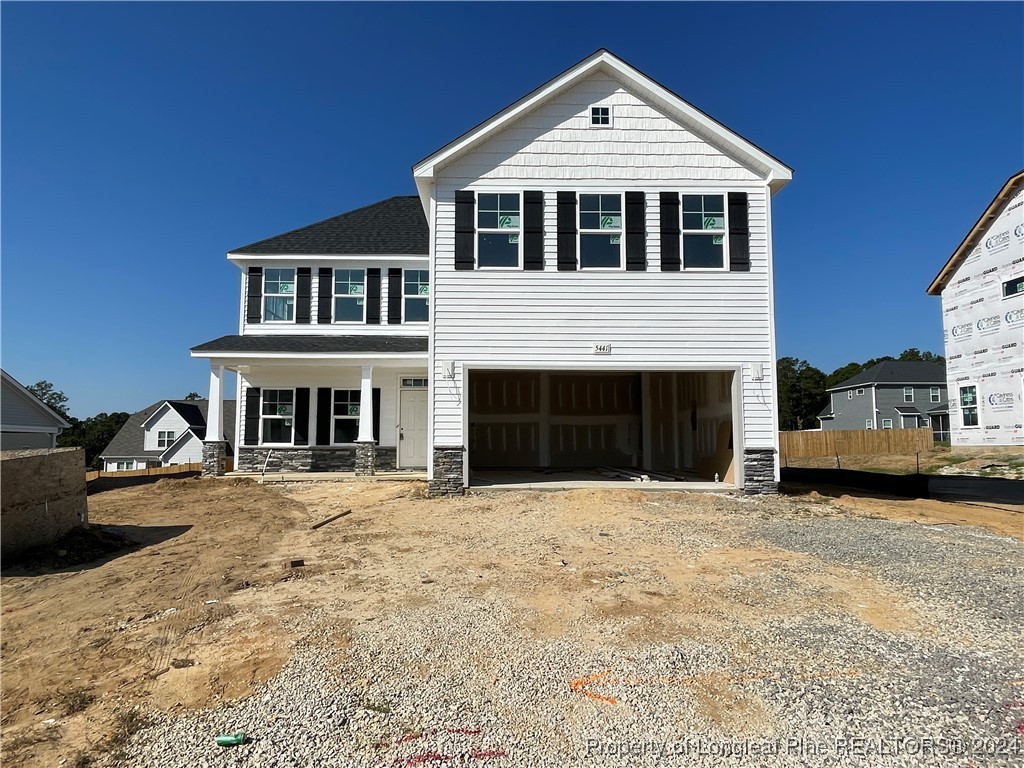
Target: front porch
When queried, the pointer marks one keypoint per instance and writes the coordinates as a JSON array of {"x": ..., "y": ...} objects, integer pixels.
[{"x": 304, "y": 409}]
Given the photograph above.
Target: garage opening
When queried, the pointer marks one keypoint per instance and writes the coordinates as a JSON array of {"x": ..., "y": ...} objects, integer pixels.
[{"x": 676, "y": 424}]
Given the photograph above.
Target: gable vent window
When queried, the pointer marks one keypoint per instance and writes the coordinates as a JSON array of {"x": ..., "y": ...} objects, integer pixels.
[
  {"x": 601, "y": 117},
  {"x": 498, "y": 228},
  {"x": 164, "y": 439}
]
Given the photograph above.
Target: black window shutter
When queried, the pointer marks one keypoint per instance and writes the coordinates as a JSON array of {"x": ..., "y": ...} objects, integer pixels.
[
  {"x": 566, "y": 231},
  {"x": 465, "y": 230},
  {"x": 303, "y": 288},
  {"x": 373, "y": 296},
  {"x": 394, "y": 295},
  {"x": 254, "y": 296},
  {"x": 325, "y": 295},
  {"x": 300, "y": 421},
  {"x": 669, "y": 231},
  {"x": 739, "y": 233},
  {"x": 376, "y": 415},
  {"x": 324, "y": 406},
  {"x": 636, "y": 231},
  {"x": 252, "y": 416},
  {"x": 533, "y": 230}
]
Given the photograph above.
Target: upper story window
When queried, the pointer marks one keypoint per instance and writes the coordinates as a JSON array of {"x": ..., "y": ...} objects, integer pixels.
[
  {"x": 276, "y": 412},
  {"x": 349, "y": 295},
  {"x": 279, "y": 295},
  {"x": 969, "y": 406},
  {"x": 704, "y": 230},
  {"x": 601, "y": 117},
  {"x": 934, "y": 394},
  {"x": 600, "y": 231},
  {"x": 849, "y": 394},
  {"x": 416, "y": 295},
  {"x": 860, "y": 391},
  {"x": 498, "y": 229},
  {"x": 164, "y": 438},
  {"x": 908, "y": 394},
  {"x": 1013, "y": 287}
]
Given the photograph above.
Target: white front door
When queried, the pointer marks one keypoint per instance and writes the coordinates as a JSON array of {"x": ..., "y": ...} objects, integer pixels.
[{"x": 412, "y": 429}]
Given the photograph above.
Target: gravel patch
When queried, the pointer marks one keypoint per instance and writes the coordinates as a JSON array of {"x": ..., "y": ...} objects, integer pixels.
[{"x": 463, "y": 681}]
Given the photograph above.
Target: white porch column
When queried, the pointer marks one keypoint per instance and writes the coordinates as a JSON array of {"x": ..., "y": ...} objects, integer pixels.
[
  {"x": 366, "y": 406},
  {"x": 215, "y": 407}
]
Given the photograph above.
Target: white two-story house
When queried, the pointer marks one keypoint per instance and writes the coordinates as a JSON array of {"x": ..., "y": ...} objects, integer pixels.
[{"x": 584, "y": 280}]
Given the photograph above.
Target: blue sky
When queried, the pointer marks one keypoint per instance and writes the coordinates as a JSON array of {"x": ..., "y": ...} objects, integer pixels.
[{"x": 141, "y": 142}]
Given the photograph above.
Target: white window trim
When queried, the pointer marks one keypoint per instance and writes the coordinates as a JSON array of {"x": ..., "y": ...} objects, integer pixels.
[
  {"x": 263, "y": 391},
  {"x": 590, "y": 116},
  {"x": 849, "y": 394},
  {"x": 886, "y": 422},
  {"x": 869, "y": 424},
  {"x": 905, "y": 395},
  {"x": 489, "y": 231},
  {"x": 403, "y": 379},
  {"x": 580, "y": 232},
  {"x": 264, "y": 295},
  {"x": 168, "y": 440},
  {"x": 860, "y": 391},
  {"x": 336, "y": 295},
  {"x": 960, "y": 406},
  {"x": 935, "y": 395},
  {"x": 417, "y": 269},
  {"x": 683, "y": 232},
  {"x": 333, "y": 417}
]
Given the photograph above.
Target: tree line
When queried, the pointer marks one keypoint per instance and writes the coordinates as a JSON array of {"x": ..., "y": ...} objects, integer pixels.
[{"x": 802, "y": 394}]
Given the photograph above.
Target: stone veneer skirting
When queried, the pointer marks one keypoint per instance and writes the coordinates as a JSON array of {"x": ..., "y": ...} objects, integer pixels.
[
  {"x": 214, "y": 454},
  {"x": 759, "y": 471},
  {"x": 447, "y": 479},
  {"x": 312, "y": 459}
]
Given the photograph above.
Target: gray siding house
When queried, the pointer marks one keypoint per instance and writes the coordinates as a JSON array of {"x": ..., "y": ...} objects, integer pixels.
[
  {"x": 893, "y": 394},
  {"x": 25, "y": 420}
]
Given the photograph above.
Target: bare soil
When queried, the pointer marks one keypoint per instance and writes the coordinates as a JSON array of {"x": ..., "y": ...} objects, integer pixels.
[{"x": 204, "y": 609}]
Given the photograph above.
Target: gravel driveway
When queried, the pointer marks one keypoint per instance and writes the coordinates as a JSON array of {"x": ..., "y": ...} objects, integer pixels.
[{"x": 722, "y": 631}]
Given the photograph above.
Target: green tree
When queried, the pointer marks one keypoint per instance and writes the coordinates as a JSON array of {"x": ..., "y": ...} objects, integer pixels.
[
  {"x": 92, "y": 434},
  {"x": 801, "y": 393},
  {"x": 193, "y": 396},
  {"x": 54, "y": 398}
]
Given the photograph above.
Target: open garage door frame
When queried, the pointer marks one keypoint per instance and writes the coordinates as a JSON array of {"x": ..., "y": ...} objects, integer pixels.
[{"x": 646, "y": 421}]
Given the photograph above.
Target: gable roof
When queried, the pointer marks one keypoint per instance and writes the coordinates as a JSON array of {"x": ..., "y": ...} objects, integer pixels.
[
  {"x": 129, "y": 441},
  {"x": 962, "y": 251},
  {"x": 44, "y": 410},
  {"x": 392, "y": 227},
  {"x": 777, "y": 173},
  {"x": 897, "y": 372}
]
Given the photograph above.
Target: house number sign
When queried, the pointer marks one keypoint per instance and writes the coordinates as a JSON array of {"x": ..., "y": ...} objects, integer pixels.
[{"x": 602, "y": 347}]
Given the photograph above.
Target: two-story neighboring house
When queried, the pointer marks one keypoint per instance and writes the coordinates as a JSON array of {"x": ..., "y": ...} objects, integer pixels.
[
  {"x": 25, "y": 420},
  {"x": 164, "y": 434},
  {"x": 893, "y": 394},
  {"x": 584, "y": 280},
  {"x": 982, "y": 289}
]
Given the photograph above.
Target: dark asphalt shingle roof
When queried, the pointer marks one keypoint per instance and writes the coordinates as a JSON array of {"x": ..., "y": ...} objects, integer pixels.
[
  {"x": 128, "y": 442},
  {"x": 906, "y": 411},
  {"x": 942, "y": 407},
  {"x": 898, "y": 372},
  {"x": 315, "y": 344},
  {"x": 393, "y": 226}
]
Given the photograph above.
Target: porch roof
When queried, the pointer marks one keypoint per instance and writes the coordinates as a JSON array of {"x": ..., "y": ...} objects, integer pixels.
[{"x": 313, "y": 345}]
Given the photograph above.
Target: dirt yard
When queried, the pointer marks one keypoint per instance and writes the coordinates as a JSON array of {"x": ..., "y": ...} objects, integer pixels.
[
  {"x": 939, "y": 460},
  {"x": 204, "y": 610}
]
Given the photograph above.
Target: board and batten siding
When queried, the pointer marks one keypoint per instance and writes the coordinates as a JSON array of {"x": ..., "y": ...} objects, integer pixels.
[
  {"x": 315, "y": 328},
  {"x": 548, "y": 319}
]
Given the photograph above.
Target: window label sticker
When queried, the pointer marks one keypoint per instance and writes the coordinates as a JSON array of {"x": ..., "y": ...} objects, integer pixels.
[
  {"x": 513, "y": 239},
  {"x": 610, "y": 222},
  {"x": 718, "y": 239},
  {"x": 425, "y": 289},
  {"x": 714, "y": 222},
  {"x": 508, "y": 222},
  {"x": 614, "y": 239},
  {"x": 355, "y": 290}
]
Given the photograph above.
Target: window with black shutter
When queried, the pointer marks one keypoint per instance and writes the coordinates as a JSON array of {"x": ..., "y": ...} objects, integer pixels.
[
  {"x": 636, "y": 232},
  {"x": 465, "y": 229},
  {"x": 533, "y": 230},
  {"x": 669, "y": 224},
  {"x": 566, "y": 222}
]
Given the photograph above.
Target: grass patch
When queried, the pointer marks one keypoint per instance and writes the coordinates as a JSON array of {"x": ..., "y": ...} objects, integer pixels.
[{"x": 76, "y": 700}]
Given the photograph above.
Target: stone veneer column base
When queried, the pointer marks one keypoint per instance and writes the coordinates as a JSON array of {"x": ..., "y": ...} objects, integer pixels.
[
  {"x": 447, "y": 471},
  {"x": 759, "y": 471},
  {"x": 214, "y": 454},
  {"x": 366, "y": 454}
]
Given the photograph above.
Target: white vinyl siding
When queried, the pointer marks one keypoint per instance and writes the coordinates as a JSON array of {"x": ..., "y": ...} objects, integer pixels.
[
  {"x": 314, "y": 328},
  {"x": 165, "y": 420},
  {"x": 653, "y": 319},
  {"x": 642, "y": 144}
]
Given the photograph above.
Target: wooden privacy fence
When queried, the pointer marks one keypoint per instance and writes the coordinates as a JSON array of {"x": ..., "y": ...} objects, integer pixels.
[
  {"x": 852, "y": 442},
  {"x": 176, "y": 469}
]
